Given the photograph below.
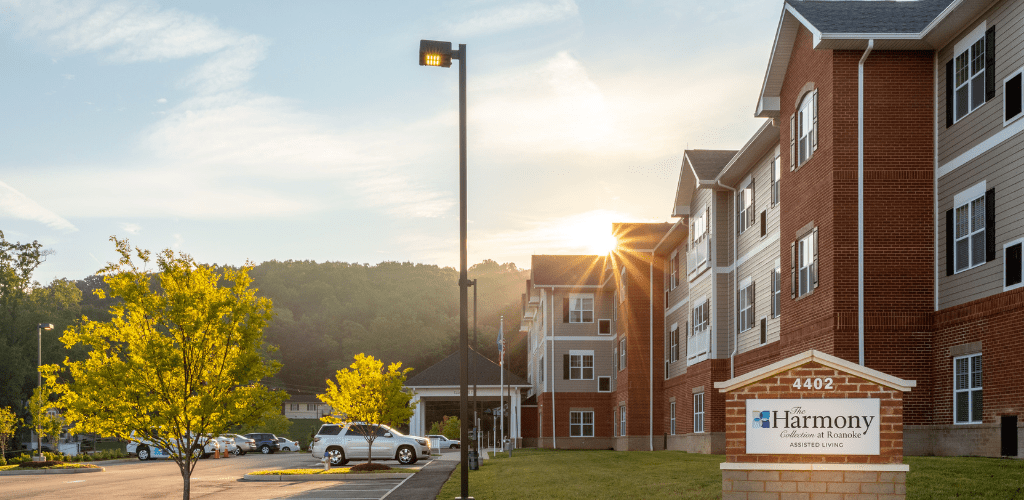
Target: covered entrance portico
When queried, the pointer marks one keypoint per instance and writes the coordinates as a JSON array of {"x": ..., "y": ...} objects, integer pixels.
[{"x": 437, "y": 389}]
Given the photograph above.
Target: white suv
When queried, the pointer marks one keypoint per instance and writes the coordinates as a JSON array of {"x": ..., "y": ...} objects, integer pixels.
[{"x": 344, "y": 442}]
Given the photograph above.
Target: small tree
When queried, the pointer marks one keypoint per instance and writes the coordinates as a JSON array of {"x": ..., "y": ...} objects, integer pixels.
[
  {"x": 46, "y": 419},
  {"x": 181, "y": 358},
  {"x": 272, "y": 422},
  {"x": 9, "y": 425},
  {"x": 452, "y": 428},
  {"x": 368, "y": 394}
]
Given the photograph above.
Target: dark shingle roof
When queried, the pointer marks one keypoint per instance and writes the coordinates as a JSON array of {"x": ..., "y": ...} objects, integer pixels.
[
  {"x": 639, "y": 235},
  {"x": 579, "y": 270},
  {"x": 446, "y": 373},
  {"x": 859, "y": 16},
  {"x": 707, "y": 163}
]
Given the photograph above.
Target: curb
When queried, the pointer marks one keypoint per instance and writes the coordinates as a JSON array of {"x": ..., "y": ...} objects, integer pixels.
[
  {"x": 327, "y": 477},
  {"x": 49, "y": 471}
]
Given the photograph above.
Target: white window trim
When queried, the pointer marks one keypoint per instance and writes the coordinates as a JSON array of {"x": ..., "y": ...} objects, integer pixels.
[
  {"x": 745, "y": 197},
  {"x": 805, "y": 253},
  {"x": 965, "y": 198},
  {"x": 672, "y": 418},
  {"x": 622, "y": 354},
  {"x": 1006, "y": 245},
  {"x": 964, "y": 45},
  {"x": 1018, "y": 71},
  {"x": 748, "y": 311},
  {"x": 805, "y": 113},
  {"x": 622, "y": 420},
  {"x": 673, "y": 265},
  {"x": 673, "y": 343},
  {"x": 776, "y": 306},
  {"x": 969, "y": 389},
  {"x": 599, "y": 383},
  {"x": 581, "y": 297},
  {"x": 582, "y": 356},
  {"x": 776, "y": 166},
  {"x": 582, "y": 425},
  {"x": 599, "y": 321},
  {"x": 698, "y": 429}
]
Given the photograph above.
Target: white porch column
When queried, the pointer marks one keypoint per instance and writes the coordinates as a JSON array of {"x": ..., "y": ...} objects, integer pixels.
[
  {"x": 518, "y": 413},
  {"x": 416, "y": 423}
]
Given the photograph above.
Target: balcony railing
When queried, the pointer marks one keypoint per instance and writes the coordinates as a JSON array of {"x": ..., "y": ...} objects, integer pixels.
[
  {"x": 698, "y": 346},
  {"x": 697, "y": 259}
]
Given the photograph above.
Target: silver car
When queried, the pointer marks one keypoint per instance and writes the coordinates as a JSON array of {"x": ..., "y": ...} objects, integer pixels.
[
  {"x": 344, "y": 442},
  {"x": 243, "y": 444}
]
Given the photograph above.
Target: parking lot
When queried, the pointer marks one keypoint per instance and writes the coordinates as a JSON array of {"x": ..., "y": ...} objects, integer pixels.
[{"x": 160, "y": 479}]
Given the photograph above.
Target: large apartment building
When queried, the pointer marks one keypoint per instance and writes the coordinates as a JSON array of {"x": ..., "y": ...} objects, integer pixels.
[{"x": 876, "y": 215}]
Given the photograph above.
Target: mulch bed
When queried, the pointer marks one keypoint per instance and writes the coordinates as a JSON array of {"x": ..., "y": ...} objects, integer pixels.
[
  {"x": 36, "y": 465},
  {"x": 369, "y": 467}
]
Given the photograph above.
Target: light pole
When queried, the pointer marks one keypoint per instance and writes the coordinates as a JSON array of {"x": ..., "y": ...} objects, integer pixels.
[
  {"x": 39, "y": 437},
  {"x": 434, "y": 53}
]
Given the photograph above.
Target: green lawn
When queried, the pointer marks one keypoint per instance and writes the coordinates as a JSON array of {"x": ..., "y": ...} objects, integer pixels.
[{"x": 536, "y": 473}]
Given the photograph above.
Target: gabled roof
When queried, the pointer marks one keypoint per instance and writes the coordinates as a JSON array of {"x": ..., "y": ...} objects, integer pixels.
[
  {"x": 567, "y": 270},
  {"x": 482, "y": 371},
  {"x": 764, "y": 140},
  {"x": 821, "y": 358},
  {"x": 639, "y": 235},
  {"x": 849, "y": 24},
  {"x": 707, "y": 163}
]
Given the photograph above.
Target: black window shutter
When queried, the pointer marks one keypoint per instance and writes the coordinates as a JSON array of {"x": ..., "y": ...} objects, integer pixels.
[
  {"x": 565, "y": 367},
  {"x": 990, "y": 225},
  {"x": 792, "y": 270},
  {"x": 814, "y": 263},
  {"x": 1013, "y": 264},
  {"x": 565, "y": 310},
  {"x": 753, "y": 203},
  {"x": 1012, "y": 97},
  {"x": 950, "y": 239},
  {"x": 949, "y": 93},
  {"x": 764, "y": 331},
  {"x": 764, "y": 223},
  {"x": 990, "y": 63}
]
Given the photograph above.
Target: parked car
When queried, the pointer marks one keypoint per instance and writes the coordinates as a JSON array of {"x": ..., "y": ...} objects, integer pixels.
[
  {"x": 266, "y": 443},
  {"x": 444, "y": 442},
  {"x": 147, "y": 450},
  {"x": 344, "y": 442},
  {"x": 288, "y": 445},
  {"x": 227, "y": 443},
  {"x": 243, "y": 444}
]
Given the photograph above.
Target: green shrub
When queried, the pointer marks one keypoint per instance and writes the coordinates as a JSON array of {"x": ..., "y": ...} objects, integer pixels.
[{"x": 3, "y": 461}]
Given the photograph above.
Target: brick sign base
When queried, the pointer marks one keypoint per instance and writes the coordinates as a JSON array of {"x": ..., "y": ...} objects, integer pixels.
[
  {"x": 813, "y": 481},
  {"x": 754, "y": 474}
]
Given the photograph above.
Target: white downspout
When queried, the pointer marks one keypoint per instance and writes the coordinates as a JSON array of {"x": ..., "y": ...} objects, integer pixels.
[
  {"x": 650, "y": 357},
  {"x": 860, "y": 201},
  {"x": 735, "y": 281},
  {"x": 554, "y": 428}
]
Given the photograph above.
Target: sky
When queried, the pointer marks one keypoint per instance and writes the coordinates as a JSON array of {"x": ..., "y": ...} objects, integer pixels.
[{"x": 258, "y": 130}]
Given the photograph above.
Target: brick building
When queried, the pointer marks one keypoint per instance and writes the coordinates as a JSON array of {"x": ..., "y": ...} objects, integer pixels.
[{"x": 911, "y": 110}]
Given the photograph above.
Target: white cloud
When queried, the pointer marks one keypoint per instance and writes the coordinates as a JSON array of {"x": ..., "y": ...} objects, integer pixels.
[
  {"x": 496, "y": 20},
  {"x": 15, "y": 204},
  {"x": 162, "y": 100},
  {"x": 131, "y": 228}
]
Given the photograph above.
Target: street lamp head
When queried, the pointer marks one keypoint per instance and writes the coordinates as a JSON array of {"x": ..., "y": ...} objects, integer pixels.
[
  {"x": 46, "y": 326},
  {"x": 434, "y": 53}
]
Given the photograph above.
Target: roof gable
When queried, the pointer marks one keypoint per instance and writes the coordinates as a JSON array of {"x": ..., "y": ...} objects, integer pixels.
[
  {"x": 567, "y": 270},
  {"x": 482, "y": 372}
]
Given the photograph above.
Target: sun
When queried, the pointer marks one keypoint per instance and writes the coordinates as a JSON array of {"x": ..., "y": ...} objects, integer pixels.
[{"x": 602, "y": 244}]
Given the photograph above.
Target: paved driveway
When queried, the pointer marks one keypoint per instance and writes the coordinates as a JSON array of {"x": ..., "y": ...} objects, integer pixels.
[{"x": 212, "y": 478}]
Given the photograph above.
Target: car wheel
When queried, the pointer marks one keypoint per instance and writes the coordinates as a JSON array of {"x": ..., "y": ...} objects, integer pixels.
[
  {"x": 406, "y": 456},
  {"x": 286, "y": 449},
  {"x": 454, "y": 446},
  {"x": 265, "y": 449},
  {"x": 143, "y": 453},
  {"x": 236, "y": 452},
  {"x": 337, "y": 456}
]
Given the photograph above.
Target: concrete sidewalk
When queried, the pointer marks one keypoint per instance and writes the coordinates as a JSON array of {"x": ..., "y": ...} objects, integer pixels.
[{"x": 427, "y": 483}]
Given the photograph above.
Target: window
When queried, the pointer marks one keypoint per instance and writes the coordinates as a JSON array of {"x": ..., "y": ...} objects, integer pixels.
[
  {"x": 581, "y": 308},
  {"x": 581, "y": 365},
  {"x": 745, "y": 302},
  {"x": 971, "y": 58},
  {"x": 698, "y": 412},
  {"x": 777, "y": 289},
  {"x": 672, "y": 418},
  {"x": 967, "y": 400},
  {"x": 699, "y": 225},
  {"x": 776, "y": 174},
  {"x": 310, "y": 407},
  {"x": 970, "y": 229},
  {"x": 673, "y": 265},
  {"x": 804, "y": 134},
  {"x": 1013, "y": 96},
  {"x": 622, "y": 282},
  {"x": 764, "y": 223},
  {"x": 581, "y": 423},
  {"x": 293, "y": 406},
  {"x": 673, "y": 343},
  {"x": 622, "y": 420},
  {"x": 540, "y": 370},
  {"x": 805, "y": 264},
  {"x": 745, "y": 207},
  {"x": 764, "y": 331},
  {"x": 604, "y": 384},
  {"x": 604, "y": 327},
  {"x": 622, "y": 353},
  {"x": 1012, "y": 265}
]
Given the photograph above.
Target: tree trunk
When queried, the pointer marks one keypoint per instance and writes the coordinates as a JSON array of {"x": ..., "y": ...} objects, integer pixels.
[
  {"x": 186, "y": 477},
  {"x": 369, "y": 453}
]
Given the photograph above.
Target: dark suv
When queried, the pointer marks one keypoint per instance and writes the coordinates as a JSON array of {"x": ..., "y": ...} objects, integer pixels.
[{"x": 266, "y": 443}]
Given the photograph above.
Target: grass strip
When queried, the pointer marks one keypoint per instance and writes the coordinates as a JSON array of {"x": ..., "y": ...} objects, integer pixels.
[{"x": 568, "y": 474}]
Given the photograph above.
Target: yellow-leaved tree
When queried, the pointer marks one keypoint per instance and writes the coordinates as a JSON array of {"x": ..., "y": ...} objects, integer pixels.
[
  {"x": 366, "y": 393},
  {"x": 9, "y": 424},
  {"x": 181, "y": 358}
]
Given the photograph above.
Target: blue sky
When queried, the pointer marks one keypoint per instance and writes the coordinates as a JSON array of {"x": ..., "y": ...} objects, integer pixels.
[{"x": 257, "y": 130}]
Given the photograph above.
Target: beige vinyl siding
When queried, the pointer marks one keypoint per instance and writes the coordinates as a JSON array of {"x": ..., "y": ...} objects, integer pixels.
[
  {"x": 702, "y": 198},
  {"x": 762, "y": 176},
  {"x": 680, "y": 300},
  {"x": 602, "y": 368},
  {"x": 725, "y": 319},
  {"x": 1002, "y": 168},
  {"x": 725, "y": 226},
  {"x": 603, "y": 308},
  {"x": 1008, "y": 18}
]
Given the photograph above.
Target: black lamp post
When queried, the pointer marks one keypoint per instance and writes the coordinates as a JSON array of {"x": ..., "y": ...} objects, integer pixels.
[{"x": 434, "y": 53}]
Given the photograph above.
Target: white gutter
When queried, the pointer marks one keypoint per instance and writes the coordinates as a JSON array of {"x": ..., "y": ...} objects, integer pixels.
[
  {"x": 650, "y": 356},
  {"x": 735, "y": 272},
  {"x": 860, "y": 201},
  {"x": 554, "y": 428}
]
